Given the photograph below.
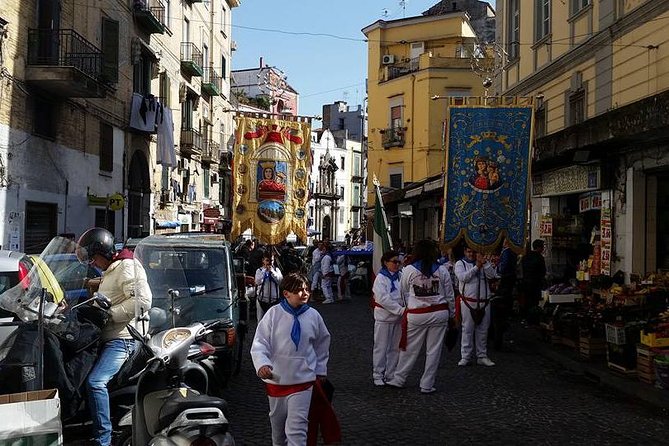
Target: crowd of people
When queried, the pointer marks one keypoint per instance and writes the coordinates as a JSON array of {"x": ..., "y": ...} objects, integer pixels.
[{"x": 421, "y": 298}]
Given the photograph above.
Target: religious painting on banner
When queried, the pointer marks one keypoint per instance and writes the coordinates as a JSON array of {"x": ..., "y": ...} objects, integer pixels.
[
  {"x": 272, "y": 161},
  {"x": 486, "y": 188}
]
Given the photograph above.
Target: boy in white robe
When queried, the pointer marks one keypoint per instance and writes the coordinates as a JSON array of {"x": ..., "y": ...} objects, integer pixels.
[
  {"x": 290, "y": 350},
  {"x": 268, "y": 277}
]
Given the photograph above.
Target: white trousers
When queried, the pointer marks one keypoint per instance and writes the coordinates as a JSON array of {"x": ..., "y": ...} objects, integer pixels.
[
  {"x": 326, "y": 285},
  {"x": 386, "y": 349},
  {"x": 315, "y": 278},
  {"x": 433, "y": 336},
  {"x": 288, "y": 416},
  {"x": 474, "y": 333}
]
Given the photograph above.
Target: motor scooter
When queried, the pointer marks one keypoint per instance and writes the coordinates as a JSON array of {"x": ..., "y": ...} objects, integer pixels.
[{"x": 171, "y": 405}]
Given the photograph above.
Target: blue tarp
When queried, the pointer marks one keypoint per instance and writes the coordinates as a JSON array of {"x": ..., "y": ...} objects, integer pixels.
[
  {"x": 167, "y": 224},
  {"x": 366, "y": 250}
]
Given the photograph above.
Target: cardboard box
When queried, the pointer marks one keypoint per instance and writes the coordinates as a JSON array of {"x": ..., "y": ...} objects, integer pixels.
[{"x": 31, "y": 419}]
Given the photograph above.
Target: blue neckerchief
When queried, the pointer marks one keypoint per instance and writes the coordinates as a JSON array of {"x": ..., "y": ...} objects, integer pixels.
[
  {"x": 393, "y": 277},
  {"x": 418, "y": 264},
  {"x": 267, "y": 275},
  {"x": 465, "y": 259},
  {"x": 296, "y": 331}
]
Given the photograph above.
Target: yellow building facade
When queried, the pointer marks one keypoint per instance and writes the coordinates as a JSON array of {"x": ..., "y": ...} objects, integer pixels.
[
  {"x": 599, "y": 71},
  {"x": 410, "y": 61}
]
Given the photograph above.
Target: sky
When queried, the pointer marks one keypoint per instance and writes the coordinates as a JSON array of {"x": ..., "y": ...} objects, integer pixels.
[{"x": 290, "y": 35}]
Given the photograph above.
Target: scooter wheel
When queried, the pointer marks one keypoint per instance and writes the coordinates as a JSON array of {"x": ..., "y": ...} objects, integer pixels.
[{"x": 123, "y": 437}]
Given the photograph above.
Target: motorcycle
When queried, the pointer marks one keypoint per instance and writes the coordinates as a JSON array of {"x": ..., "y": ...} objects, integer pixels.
[{"x": 171, "y": 405}]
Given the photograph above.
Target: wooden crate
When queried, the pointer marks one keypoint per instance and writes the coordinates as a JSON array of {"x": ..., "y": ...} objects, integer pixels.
[
  {"x": 591, "y": 348},
  {"x": 645, "y": 363},
  {"x": 621, "y": 370}
]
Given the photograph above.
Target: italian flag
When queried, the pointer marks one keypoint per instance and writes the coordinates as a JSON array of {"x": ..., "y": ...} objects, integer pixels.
[{"x": 381, "y": 231}]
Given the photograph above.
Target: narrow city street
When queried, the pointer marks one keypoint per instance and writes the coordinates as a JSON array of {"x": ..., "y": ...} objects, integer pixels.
[{"x": 525, "y": 399}]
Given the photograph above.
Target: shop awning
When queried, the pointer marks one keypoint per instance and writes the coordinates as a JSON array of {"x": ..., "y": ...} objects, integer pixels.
[{"x": 164, "y": 224}]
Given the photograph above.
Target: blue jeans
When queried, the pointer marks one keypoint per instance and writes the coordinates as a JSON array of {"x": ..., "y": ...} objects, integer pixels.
[{"x": 112, "y": 356}]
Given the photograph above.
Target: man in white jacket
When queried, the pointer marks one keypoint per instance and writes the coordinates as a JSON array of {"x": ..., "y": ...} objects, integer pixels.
[
  {"x": 474, "y": 272},
  {"x": 327, "y": 272}
]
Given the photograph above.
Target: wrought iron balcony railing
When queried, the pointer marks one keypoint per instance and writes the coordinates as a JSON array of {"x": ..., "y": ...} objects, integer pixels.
[
  {"x": 211, "y": 82},
  {"x": 64, "y": 48},
  {"x": 191, "y": 59},
  {"x": 150, "y": 14},
  {"x": 191, "y": 142},
  {"x": 211, "y": 152},
  {"x": 393, "y": 137}
]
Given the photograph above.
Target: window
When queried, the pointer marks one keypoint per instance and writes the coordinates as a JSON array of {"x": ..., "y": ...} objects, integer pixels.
[
  {"x": 110, "y": 39},
  {"x": 341, "y": 216},
  {"x": 577, "y": 107},
  {"x": 396, "y": 117},
  {"x": 207, "y": 181},
  {"x": 356, "y": 166},
  {"x": 168, "y": 12},
  {"x": 396, "y": 180},
  {"x": 141, "y": 75},
  {"x": 44, "y": 118},
  {"x": 205, "y": 53},
  {"x": 341, "y": 192},
  {"x": 224, "y": 67},
  {"x": 343, "y": 163},
  {"x": 542, "y": 18},
  {"x": 106, "y": 147},
  {"x": 342, "y": 123},
  {"x": 355, "y": 200},
  {"x": 164, "y": 87},
  {"x": 187, "y": 114},
  {"x": 577, "y": 5},
  {"x": 165, "y": 178},
  {"x": 355, "y": 219},
  {"x": 513, "y": 29},
  {"x": 540, "y": 119},
  {"x": 224, "y": 18},
  {"x": 105, "y": 218}
]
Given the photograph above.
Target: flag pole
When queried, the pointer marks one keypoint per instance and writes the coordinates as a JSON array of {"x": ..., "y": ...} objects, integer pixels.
[{"x": 377, "y": 186}]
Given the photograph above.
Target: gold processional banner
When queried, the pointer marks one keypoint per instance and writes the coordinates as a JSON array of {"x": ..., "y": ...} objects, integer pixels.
[{"x": 272, "y": 162}]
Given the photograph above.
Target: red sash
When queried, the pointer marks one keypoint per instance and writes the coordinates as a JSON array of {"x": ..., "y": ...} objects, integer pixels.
[
  {"x": 278, "y": 391},
  {"x": 405, "y": 319}
]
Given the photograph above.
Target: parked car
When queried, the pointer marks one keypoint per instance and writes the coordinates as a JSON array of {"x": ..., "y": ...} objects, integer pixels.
[
  {"x": 14, "y": 266},
  {"x": 200, "y": 267}
]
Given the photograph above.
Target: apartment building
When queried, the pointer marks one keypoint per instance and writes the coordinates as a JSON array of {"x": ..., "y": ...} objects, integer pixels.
[
  {"x": 81, "y": 88},
  {"x": 599, "y": 73},
  {"x": 410, "y": 61}
]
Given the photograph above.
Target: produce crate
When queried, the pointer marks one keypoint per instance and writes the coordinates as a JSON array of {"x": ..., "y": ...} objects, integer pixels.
[
  {"x": 621, "y": 358},
  {"x": 651, "y": 340},
  {"x": 623, "y": 334},
  {"x": 644, "y": 364},
  {"x": 591, "y": 348},
  {"x": 662, "y": 373}
]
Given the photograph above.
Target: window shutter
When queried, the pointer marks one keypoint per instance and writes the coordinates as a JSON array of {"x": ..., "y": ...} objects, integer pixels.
[{"x": 110, "y": 38}]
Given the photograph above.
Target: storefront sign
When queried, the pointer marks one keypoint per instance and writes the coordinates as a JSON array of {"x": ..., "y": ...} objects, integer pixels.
[
  {"x": 211, "y": 213},
  {"x": 546, "y": 226},
  {"x": 590, "y": 201},
  {"x": 606, "y": 241},
  {"x": 570, "y": 180}
]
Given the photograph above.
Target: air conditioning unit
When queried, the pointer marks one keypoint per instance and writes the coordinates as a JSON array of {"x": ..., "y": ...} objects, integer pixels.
[
  {"x": 233, "y": 45},
  {"x": 182, "y": 164},
  {"x": 388, "y": 59}
]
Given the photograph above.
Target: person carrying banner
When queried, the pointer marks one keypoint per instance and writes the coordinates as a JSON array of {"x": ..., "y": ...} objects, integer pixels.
[
  {"x": 473, "y": 273},
  {"x": 388, "y": 309},
  {"x": 428, "y": 293},
  {"x": 268, "y": 278}
]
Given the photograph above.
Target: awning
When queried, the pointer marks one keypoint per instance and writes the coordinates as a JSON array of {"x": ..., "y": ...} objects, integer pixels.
[
  {"x": 413, "y": 192},
  {"x": 163, "y": 224}
]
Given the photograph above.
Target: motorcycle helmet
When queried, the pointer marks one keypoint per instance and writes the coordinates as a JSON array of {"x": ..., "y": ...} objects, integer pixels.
[{"x": 96, "y": 241}]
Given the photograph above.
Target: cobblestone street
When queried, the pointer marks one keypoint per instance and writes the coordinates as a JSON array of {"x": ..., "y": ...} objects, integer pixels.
[{"x": 525, "y": 399}]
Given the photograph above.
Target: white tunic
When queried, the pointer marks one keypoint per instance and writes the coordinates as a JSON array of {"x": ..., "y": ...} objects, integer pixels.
[
  {"x": 468, "y": 272},
  {"x": 392, "y": 303},
  {"x": 269, "y": 291},
  {"x": 273, "y": 346}
]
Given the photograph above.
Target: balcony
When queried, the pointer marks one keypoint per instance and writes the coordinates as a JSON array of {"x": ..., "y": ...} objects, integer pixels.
[
  {"x": 211, "y": 82},
  {"x": 65, "y": 64},
  {"x": 424, "y": 62},
  {"x": 150, "y": 15},
  {"x": 211, "y": 152},
  {"x": 393, "y": 137},
  {"x": 190, "y": 143},
  {"x": 191, "y": 59}
]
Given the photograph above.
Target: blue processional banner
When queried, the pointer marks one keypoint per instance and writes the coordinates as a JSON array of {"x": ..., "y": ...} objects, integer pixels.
[{"x": 487, "y": 177}]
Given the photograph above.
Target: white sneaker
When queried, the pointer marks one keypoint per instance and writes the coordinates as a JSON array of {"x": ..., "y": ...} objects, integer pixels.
[
  {"x": 485, "y": 361},
  {"x": 379, "y": 382},
  {"x": 328, "y": 301},
  {"x": 464, "y": 362}
]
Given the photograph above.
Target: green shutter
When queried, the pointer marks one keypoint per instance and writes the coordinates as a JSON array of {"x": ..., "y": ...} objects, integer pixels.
[{"x": 110, "y": 38}]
